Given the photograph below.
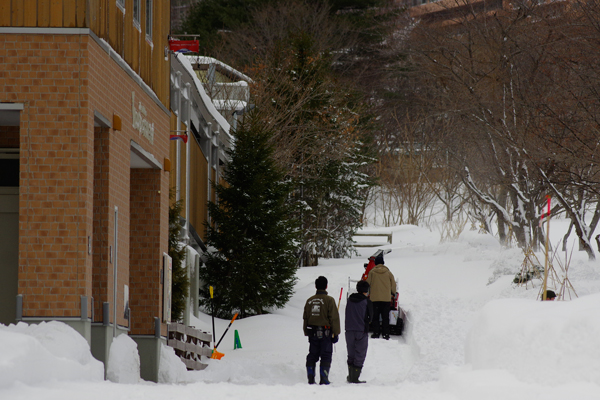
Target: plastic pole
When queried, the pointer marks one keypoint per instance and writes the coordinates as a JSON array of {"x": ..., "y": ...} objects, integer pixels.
[
  {"x": 232, "y": 319},
  {"x": 212, "y": 302}
]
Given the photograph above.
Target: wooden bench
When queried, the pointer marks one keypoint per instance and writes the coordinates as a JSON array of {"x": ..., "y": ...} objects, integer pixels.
[
  {"x": 388, "y": 236},
  {"x": 190, "y": 344}
]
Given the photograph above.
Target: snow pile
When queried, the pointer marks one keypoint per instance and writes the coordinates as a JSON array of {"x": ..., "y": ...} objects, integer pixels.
[
  {"x": 123, "y": 361},
  {"x": 33, "y": 354},
  {"x": 171, "y": 368},
  {"x": 543, "y": 342}
]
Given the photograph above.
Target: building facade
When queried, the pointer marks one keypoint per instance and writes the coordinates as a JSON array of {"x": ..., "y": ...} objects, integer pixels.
[
  {"x": 84, "y": 155},
  {"x": 208, "y": 123}
]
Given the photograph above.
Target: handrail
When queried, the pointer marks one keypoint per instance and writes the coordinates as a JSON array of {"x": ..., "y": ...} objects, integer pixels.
[{"x": 190, "y": 344}]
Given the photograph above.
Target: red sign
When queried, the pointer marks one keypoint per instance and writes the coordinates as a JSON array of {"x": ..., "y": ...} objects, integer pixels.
[
  {"x": 179, "y": 137},
  {"x": 184, "y": 46}
]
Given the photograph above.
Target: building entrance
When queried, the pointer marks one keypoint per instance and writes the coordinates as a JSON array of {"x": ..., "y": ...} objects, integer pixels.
[{"x": 9, "y": 234}]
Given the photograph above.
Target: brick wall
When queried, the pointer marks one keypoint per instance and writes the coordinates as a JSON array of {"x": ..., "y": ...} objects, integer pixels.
[
  {"x": 145, "y": 254},
  {"x": 111, "y": 93},
  {"x": 48, "y": 75},
  {"x": 72, "y": 176},
  {"x": 101, "y": 234}
]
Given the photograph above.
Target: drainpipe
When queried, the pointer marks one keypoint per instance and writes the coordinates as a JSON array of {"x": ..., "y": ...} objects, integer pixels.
[
  {"x": 186, "y": 236},
  {"x": 210, "y": 160},
  {"x": 116, "y": 268},
  {"x": 216, "y": 158},
  {"x": 177, "y": 144}
]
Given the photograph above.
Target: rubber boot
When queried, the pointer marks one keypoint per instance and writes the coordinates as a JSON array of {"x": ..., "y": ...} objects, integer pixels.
[
  {"x": 350, "y": 374},
  {"x": 324, "y": 375},
  {"x": 356, "y": 374},
  {"x": 310, "y": 373}
]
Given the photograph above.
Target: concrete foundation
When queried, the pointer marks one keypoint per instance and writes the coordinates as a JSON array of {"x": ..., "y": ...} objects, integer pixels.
[{"x": 149, "y": 350}]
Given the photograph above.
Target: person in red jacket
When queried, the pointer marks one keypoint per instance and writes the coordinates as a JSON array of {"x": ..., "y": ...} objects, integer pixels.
[{"x": 368, "y": 268}]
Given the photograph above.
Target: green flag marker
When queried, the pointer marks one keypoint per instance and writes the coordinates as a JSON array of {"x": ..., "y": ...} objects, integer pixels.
[{"x": 236, "y": 341}]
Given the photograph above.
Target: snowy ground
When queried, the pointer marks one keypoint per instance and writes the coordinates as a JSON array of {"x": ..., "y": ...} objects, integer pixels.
[{"x": 467, "y": 338}]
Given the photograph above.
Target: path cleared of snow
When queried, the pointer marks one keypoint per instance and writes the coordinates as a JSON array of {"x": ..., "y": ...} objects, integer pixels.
[{"x": 472, "y": 335}]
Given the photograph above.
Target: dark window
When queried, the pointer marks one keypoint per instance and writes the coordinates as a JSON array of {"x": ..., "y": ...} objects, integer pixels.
[
  {"x": 9, "y": 172},
  {"x": 136, "y": 12},
  {"x": 149, "y": 19}
]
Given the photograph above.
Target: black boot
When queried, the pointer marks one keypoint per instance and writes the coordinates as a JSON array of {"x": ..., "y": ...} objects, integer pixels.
[
  {"x": 310, "y": 373},
  {"x": 355, "y": 374},
  {"x": 324, "y": 375},
  {"x": 350, "y": 376}
]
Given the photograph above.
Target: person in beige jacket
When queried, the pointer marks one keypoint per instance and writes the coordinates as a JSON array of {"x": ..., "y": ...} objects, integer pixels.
[{"x": 383, "y": 287}]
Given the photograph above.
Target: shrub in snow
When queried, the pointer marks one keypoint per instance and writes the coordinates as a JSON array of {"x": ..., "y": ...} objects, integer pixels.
[
  {"x": 535, "y": 271},
  {"x": 123, "y": 361}
]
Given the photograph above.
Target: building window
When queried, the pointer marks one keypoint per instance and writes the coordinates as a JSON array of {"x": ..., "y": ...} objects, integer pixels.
[
  {"x": 10, "y": 171},
  {"x": 136, "y": 12},
  {"x": 149, "y": 20},
  {"x": 121, "y": 5}
]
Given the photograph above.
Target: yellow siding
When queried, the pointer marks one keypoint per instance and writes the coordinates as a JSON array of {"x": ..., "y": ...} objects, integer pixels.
[
  {"x": 56, "y": 13},
  {"x": 198, "y": 180},
  {"x": 70, "y": 13},
  {"x": 17, "y": 14},
  {"x": 30, "y": 11},
  {"x": 115, "y": 27},
  {"x": 5, "y": 15},
  {"x": 43, "y": 13},
  {"x": 109, "y": 23},
  {"x": 198, "y": 188},
  {"x": 81, "y": 19}
]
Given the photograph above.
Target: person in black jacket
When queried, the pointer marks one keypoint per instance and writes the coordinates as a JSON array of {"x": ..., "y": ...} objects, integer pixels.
[{"x": 359, "y": 313}]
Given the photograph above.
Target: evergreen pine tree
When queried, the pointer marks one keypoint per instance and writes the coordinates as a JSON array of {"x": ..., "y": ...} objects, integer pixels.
[
  {"x": 180, "y": 281},
  {"x": 253, "y": 267}
]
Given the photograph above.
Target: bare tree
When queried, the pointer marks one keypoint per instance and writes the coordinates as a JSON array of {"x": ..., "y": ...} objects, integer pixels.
[{"x": 505, "y": 76}]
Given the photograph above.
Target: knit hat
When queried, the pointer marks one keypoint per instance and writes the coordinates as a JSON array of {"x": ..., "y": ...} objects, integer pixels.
[
  {"x": 362, "y": 287},
  {"x": 321, "y": 283},
  {"x": 379, "y": 259}
]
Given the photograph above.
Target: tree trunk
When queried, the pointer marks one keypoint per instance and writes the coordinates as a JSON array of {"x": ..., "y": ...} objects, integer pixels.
[{"x": 502, "y": 198}]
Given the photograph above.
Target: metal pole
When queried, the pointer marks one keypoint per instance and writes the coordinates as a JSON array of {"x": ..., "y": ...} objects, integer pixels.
[
  {"x": 115, "y": 265},
  {"x": 546, "y": 263},
  {"x": 186, "y": 236},
  {"x": 177, "y": 145}
]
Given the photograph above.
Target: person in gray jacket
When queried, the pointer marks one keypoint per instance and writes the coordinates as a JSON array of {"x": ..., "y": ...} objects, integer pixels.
[
  {"x": 359, "y": 312},
  {"x": 383, "y": 287}
]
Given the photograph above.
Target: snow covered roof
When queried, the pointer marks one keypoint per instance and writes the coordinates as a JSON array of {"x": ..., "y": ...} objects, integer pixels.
[{"x": 202, "y": 60}]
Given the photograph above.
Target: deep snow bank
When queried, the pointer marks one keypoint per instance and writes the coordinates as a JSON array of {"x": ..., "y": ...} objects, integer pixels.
[
  {"x": 552, "y": 342},
  {"x": 33, "y": 354}
]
